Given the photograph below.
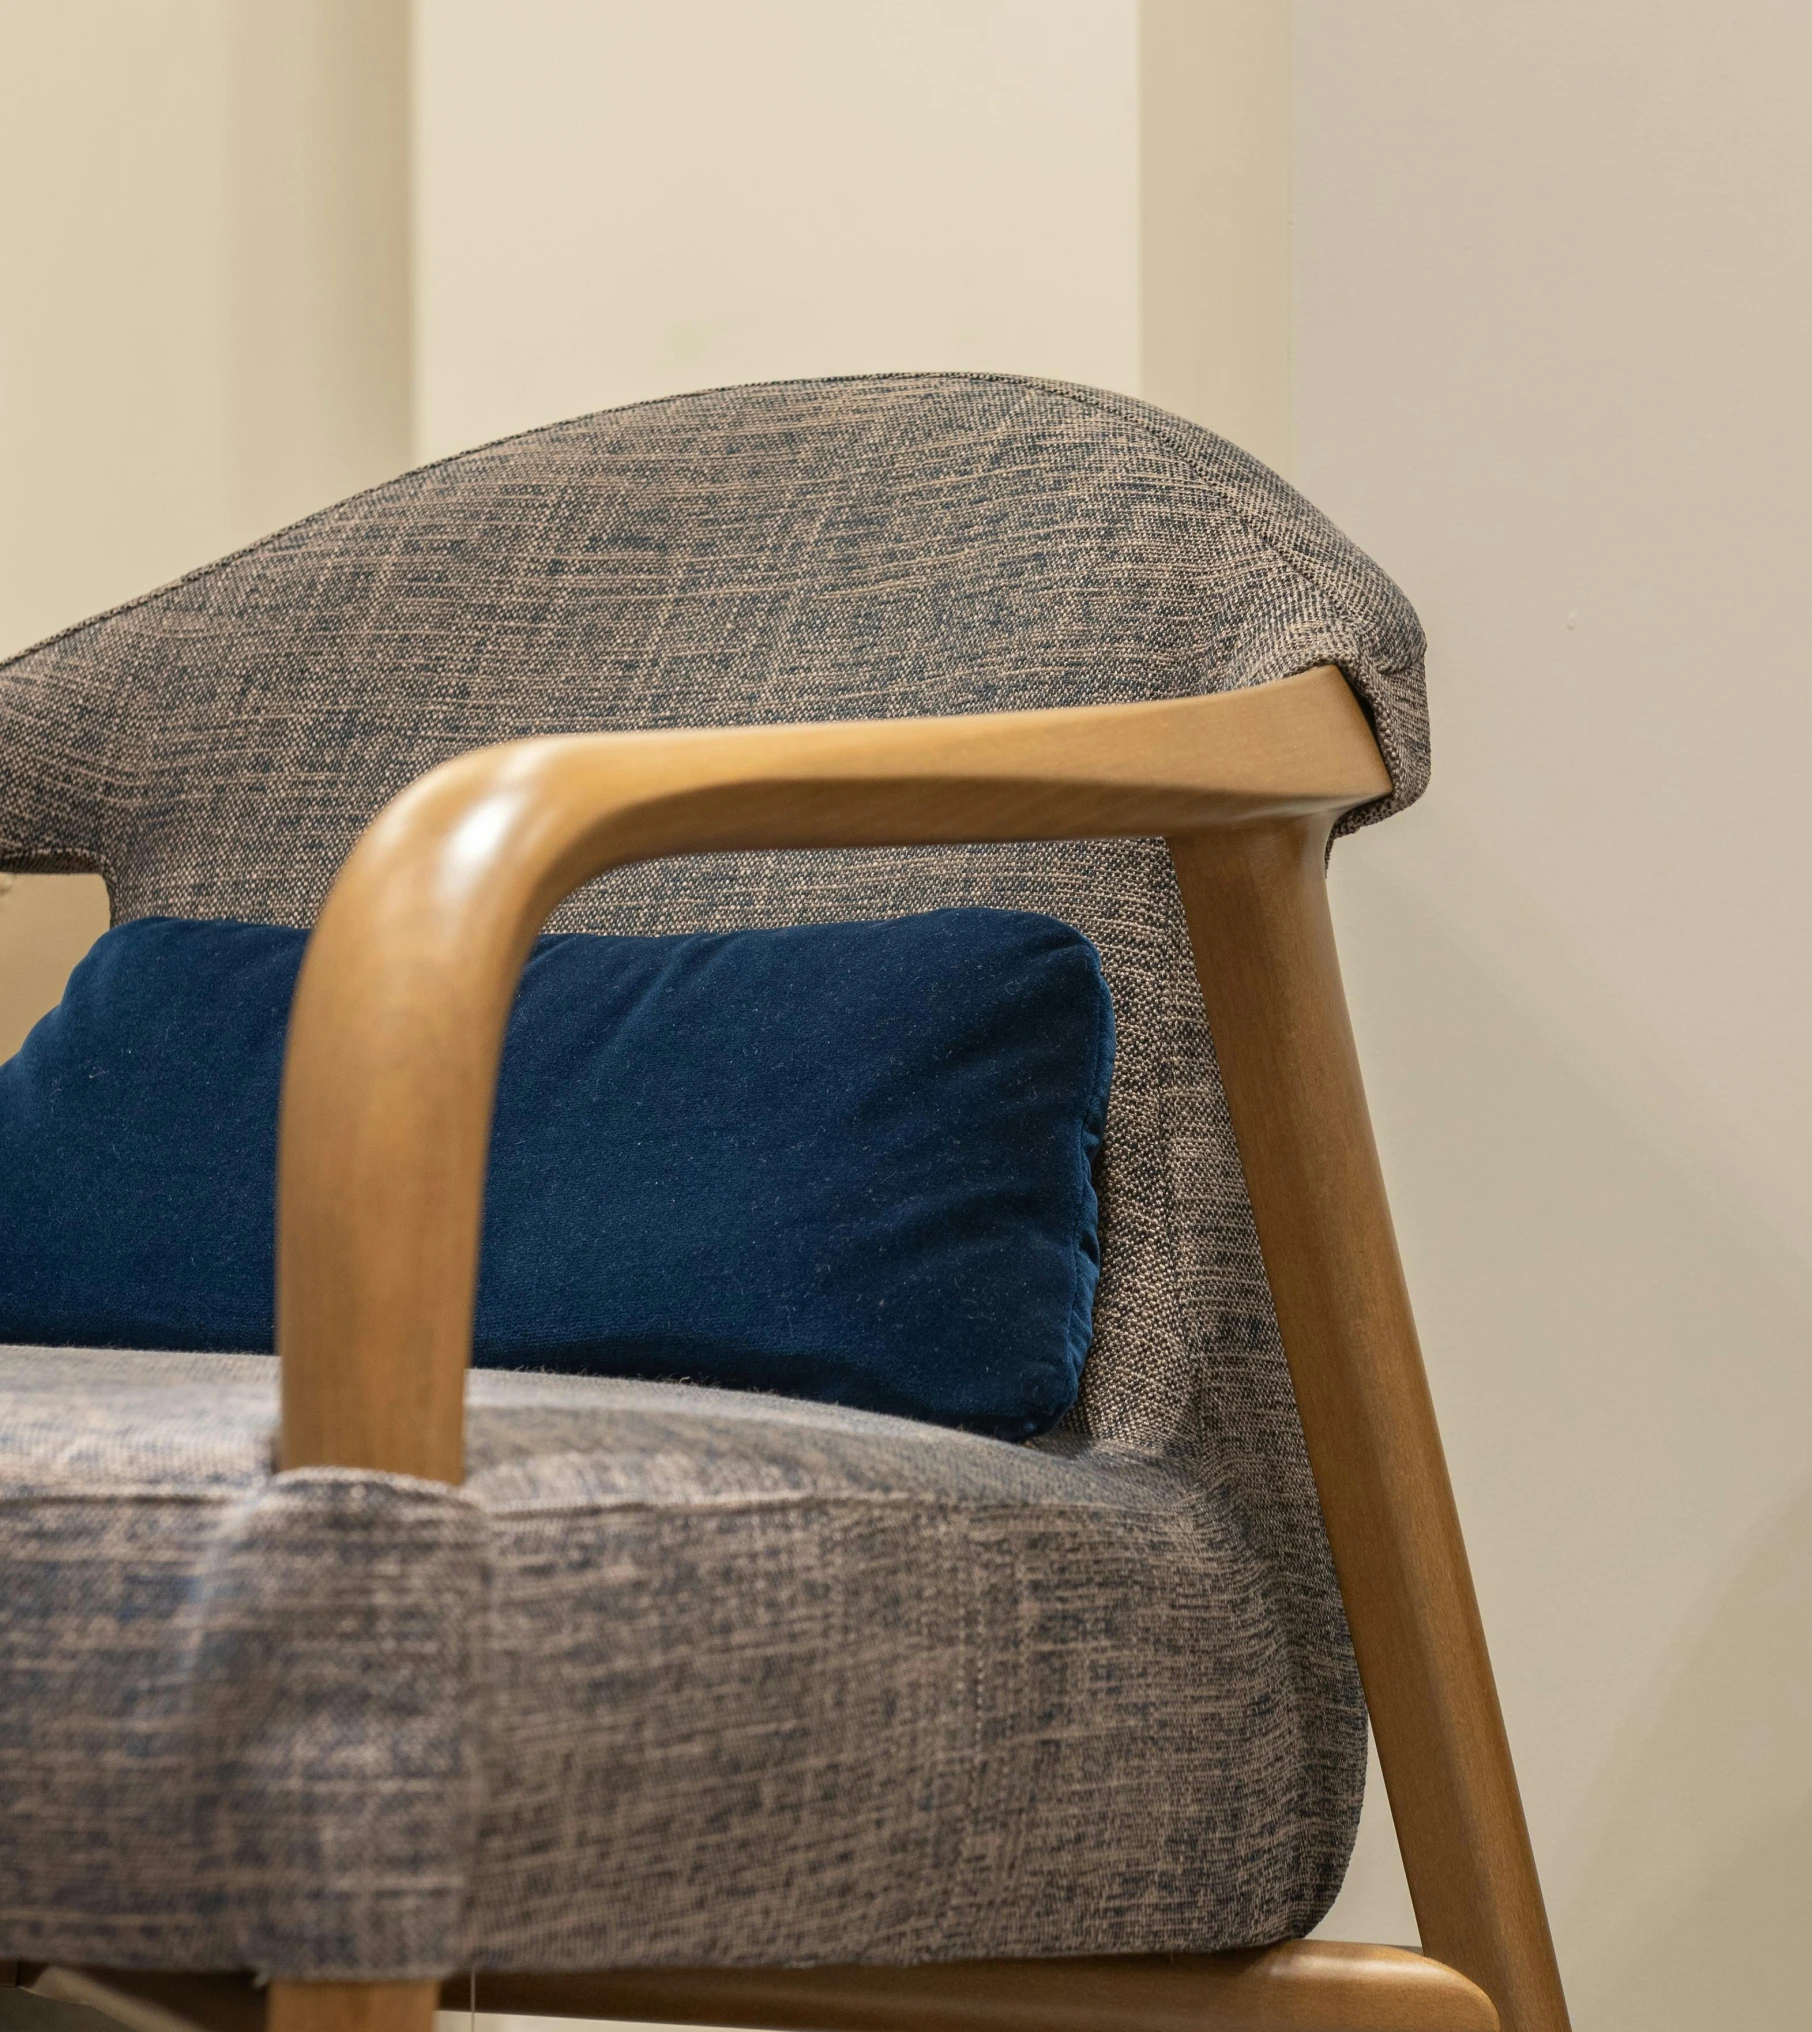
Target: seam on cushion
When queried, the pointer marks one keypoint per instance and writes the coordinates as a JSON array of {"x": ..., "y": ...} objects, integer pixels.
[
  {"x": 1127, "y": 410},
  {"x": 129, "y": 1492},
  {"x": 1180, "y": 450},
  {"x": 1080, "y": 1326},
  {"x": 1162, "y": 1501},
  {"x": 1198, "y": 1341},
  {"x": 975, "y": 1576},
  {"x": 1174, "y": 1500},
  {"x": 1315, "y": 1722},
  {"x": 1195, "y": 1338},
  {"x": 236, "y": 1492},
  {"x": 1155, "y": 425}
]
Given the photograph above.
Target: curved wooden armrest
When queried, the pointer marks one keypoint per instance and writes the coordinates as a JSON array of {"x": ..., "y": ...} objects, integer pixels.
[
  {"x": 398, "y": 1023},
  {"x": 397, "y": 1032}
]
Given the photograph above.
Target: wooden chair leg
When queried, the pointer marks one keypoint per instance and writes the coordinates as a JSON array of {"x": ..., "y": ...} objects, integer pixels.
[
  {"x": 352, "y": 2007},
  {"x": 1256, "y": 901}
]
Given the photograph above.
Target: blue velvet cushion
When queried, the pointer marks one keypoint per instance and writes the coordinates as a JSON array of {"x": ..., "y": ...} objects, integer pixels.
[{"x": 847, "y": 1161}]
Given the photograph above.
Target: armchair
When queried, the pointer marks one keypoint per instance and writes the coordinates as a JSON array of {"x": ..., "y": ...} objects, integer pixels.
[{"x": 737, "y": 1712}]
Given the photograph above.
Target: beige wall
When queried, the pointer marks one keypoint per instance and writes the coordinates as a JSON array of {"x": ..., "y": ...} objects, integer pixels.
[
  {"x": 1553, "y": 281},
  {"x": 204, "y": 260},
  {"x": 617, "y": 200},
  {"x": 1214, "y": 192}
]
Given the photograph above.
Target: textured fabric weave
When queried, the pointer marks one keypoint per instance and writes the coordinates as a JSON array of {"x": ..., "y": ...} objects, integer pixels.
[
  {"x": 679, "y": 1675},
  {"x": 880, "y": 547}
]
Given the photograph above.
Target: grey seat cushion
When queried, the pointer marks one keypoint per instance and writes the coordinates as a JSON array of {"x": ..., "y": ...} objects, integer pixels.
[
  {"x": 679, "y": 1675},
  {"x": 893, "y": 545}
]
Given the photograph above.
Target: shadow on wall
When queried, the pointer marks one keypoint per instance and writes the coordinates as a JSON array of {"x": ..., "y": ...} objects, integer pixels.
[{"x": 1618, "y": 1339}]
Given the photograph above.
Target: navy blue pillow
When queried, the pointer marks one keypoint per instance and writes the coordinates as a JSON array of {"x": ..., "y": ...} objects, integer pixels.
[{"x": 847, "y": 1161}]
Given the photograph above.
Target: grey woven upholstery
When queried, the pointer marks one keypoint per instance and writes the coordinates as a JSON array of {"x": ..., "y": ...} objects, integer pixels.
[{"x": 681, "y": 1676}]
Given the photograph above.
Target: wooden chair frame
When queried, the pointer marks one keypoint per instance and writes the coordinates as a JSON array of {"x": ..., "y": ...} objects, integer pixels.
[{"x": 394, "y": 1047}]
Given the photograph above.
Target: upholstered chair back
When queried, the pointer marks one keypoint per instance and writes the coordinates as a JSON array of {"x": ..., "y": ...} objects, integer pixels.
[{"x": 888, "y": 546}]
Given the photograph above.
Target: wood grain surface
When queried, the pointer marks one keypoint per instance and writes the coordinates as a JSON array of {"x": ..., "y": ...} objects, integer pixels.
[
  {"x": 1300, "y": 1986},
  {"x": 1257, "y": 906}
]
